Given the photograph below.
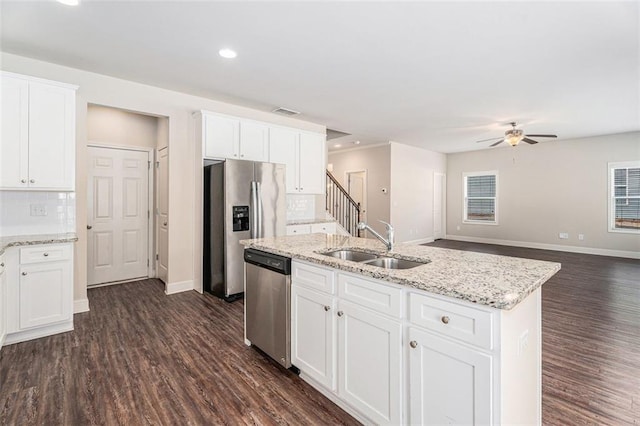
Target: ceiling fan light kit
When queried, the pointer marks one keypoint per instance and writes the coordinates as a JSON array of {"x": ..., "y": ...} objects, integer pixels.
[{"x": 514, "y": 136}]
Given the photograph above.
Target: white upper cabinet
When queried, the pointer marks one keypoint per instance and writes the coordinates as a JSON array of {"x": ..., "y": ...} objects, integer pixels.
[
  {"x": 38, "y": 134},
  {"x": 304, "y": 155},
  {"x": 230, "y": 137},
  {"x": 221, "y": 136}
]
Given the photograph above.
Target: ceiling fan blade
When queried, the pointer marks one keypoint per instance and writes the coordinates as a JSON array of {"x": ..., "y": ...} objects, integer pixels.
[
  {"x": 497, "y": 143},
  {"x": 543, "y": 136},
  {"x": 490, "y": 139},
  {"x": 530, "y": 141}
]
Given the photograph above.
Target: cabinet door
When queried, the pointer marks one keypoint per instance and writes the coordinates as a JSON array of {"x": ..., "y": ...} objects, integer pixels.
[
  {"x": 14, "y": 141},
  {"x": 221, "y": 137},
  {"x": 312, "y": 163},
  {"x": 313, "y": 334},
  {"x": 254, "y": 139},
  {"x": 51, "y": 137},
  {"x": 45, "y": 293},
  {"x": 283, "y": 149},
  {"x": 369, "y": 362},
  {"x": 449, "y": 383},
  {"x": 3, "y": 303}
]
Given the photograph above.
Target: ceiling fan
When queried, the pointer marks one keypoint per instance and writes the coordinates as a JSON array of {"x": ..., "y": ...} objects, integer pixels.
[{"x": 513, "y": 137}]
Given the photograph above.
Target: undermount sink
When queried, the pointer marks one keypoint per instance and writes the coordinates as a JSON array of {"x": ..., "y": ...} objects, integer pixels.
[
  {"x": 353, "y": 255},
  {"x": 379, "y": 261},
  {"x": 392, "y": 263}
]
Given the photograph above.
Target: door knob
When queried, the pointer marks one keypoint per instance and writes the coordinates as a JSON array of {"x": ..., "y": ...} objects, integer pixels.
[
  {"x": 413, "y": 344},
  {"x": 165, "y": 224},
  {"x": 89, "y": 226}
]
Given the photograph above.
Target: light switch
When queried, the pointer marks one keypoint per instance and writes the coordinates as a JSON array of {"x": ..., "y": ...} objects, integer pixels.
[{"x": 38, "y": 210}]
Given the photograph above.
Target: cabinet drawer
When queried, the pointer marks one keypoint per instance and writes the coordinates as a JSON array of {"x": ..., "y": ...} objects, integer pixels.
[
  {"x": 457, "y": 321},
  {"x": 313, "y": 277},
  {"x": 45, "y": 253},
  {"x": 298, "y": 229},
  {"x": 325, "y": 228},
  {"x": 370, "y": 294}
]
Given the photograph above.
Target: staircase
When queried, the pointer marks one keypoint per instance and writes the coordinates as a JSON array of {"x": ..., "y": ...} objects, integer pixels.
[{"x": 342, "y": 207}]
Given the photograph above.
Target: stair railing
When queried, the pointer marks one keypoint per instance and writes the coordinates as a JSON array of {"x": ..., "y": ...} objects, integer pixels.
[{"x": 341, "y": 206}]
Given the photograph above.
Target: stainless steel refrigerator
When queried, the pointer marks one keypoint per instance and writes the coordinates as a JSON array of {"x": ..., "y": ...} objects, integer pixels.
[{"x": 242, "y": 199}]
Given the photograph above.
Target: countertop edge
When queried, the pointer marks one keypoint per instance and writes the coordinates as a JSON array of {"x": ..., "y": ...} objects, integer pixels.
[{"x": 33, "y": 240}]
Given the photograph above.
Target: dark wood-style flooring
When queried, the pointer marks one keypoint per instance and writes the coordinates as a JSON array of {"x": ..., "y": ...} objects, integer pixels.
[
  {"x": 590, "y": 336},
  {"x": 140, "y": 357}
]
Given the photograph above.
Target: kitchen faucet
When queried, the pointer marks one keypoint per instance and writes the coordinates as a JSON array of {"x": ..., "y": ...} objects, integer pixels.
[{"x": 388, "y": 241}]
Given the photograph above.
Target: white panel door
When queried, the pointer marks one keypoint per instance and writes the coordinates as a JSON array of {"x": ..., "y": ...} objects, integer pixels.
[
  {"x": 162, "y": 215},
  {"x": 370, "y": 362},
  {"x": 439, "y": 191},
  {"x": 221, "y": 137},
  {"x": 313, "y": 333},
  {"x": 118, "y": 195},
  {"x": 283, "y": 149},
  {"x": 254, "y": 139},
  {"x": 450, "y": 384},
  {"x": 312, "y": 163},
  {"x": 46, "y": 293},
  {"x": 51, "y": 137},
  {"x": 14, "y": 145}
]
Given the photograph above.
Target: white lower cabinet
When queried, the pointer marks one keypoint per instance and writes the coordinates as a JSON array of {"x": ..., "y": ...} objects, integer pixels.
[
  {"x": 449, "y": 384},
  {"x": 39, "y": 291},
  {"x": 370, "y": 362},
  {"x": 313, "y": 331},
  {"x": 3, "y": 302},
  {"x": 391, "y": 354}
]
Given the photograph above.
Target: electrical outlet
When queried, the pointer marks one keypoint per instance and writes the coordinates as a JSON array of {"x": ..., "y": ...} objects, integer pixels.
[
  {"x": 523, "y": 342},
  {"x": 38, "y": 210},
  {"x": 563, "y": 235},
  {"x": 581, "y": 237}
]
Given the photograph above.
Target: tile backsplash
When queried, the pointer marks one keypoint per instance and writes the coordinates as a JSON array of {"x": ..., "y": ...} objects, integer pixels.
[
  {"x": 28, "y": 213},
  {"x": 301, "y": 207}
]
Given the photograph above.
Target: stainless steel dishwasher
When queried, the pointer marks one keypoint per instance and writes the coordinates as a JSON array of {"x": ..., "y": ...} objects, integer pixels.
[{"x": 267, "y": 302}]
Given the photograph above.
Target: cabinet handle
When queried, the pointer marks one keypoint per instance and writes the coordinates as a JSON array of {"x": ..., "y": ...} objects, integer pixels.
[
  {"x": 413, "y": 344},
  {"x": 32, "y": 180},
  {"x": 235, "y": 155},
  {"x": 301, "y": 188},
  {"x": 340, "y": 313},
  {"x": 242, "y": 155},
  {"x": 326, "y": 308},
  {"x": 24, "y": 273},
  {"x": 2, "y": 265},
  {"x": 445, "y": 319},
  {"x": 23, "y": 180},
  {"x": 45, "y": 254},
  {"x": 89, "y": 226}
]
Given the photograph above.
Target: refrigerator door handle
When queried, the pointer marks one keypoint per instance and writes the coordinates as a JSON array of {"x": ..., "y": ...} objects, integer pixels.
[
  {"x": 253, "y": 211},
  {"x": 258, "y": 210}
]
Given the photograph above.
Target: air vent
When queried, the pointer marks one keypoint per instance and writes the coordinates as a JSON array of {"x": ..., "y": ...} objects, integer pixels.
[
  {"x": 285, "y": 111},
  {"x": 334, "y": 134}
]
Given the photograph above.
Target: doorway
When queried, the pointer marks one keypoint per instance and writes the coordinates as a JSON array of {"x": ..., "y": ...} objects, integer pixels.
[
  {"x": 357, "y": 188},
  {"x": 119, "y": 202}
]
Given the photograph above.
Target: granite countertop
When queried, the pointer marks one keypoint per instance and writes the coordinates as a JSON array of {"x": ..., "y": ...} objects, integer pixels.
[
  {"x": 31, "y": 240},
  {"x": 309, "y": 221},
  {"x": 496, "y": 281}
]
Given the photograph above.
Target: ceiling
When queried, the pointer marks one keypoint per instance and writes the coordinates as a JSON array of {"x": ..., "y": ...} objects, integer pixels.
[{"x": 438, "y": 75}]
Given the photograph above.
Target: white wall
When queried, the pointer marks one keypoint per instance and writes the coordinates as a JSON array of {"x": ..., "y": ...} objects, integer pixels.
[
  {"x": 545, "y": 189},
  {"x": 376, "y": 161},
  {"x": 178, "y": 107},
  {"x": 411, "y": 192},
  {"x": 115, "y": 126}
]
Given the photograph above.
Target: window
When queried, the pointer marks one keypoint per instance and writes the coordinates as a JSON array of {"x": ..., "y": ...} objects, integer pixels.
[
  {"x": 480, "y": 197},
  {"x": 624, "y": 196}
]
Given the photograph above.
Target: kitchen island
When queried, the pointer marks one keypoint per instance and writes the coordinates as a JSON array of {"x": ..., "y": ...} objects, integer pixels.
[{"x": 455, "y": 340}]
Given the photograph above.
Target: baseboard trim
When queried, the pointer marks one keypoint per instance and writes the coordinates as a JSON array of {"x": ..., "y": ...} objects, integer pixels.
[
  {"x": 36, "y": 333},
  {"x": 80, "y": 305},
  {"x": 419, "y": 241},
  {"x": 179, "y": 287},
  {"x": 543, "y": 246}
]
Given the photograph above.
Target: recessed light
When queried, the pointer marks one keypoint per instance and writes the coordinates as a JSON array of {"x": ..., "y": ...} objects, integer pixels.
[
  {"x": 356, "y": 142},
  {"x": 227, "y": 53},
  {"x": 69, "y": 2},
  {"x": 337, "y": 145}
]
